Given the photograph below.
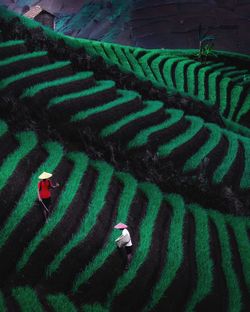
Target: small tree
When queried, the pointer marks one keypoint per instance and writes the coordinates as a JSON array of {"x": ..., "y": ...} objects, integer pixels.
[{"x": 206, "y": 45}]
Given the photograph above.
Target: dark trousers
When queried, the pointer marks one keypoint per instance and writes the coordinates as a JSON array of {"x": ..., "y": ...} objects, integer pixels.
[
  {"x": 125, "y": 254},
  {"x": 47, "y": 203}
]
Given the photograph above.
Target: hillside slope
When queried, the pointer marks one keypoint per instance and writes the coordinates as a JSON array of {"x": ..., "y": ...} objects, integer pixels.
[{"x": 119, "y": 155}]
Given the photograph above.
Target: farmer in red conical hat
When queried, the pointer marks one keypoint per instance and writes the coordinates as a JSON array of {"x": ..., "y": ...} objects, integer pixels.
[
  {"x": 43, "y": 192},
  {"x": 124, "y": 244}
]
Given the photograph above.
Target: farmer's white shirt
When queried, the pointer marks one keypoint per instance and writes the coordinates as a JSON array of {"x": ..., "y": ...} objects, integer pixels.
[{"x": 126, "y": 232}]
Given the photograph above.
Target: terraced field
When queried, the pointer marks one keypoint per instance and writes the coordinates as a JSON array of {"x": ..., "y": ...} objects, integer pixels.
[
  {"x": 214, "y": 83},
  {"x": 76, "y": 101},
  {"x": 186, "y": 256},
  {"x": 175, "y": 243}
]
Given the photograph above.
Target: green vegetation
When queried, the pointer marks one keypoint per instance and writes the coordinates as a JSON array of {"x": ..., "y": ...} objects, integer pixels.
[
  {"x": 173, "y": 70},
  {"x": 196, "y": 125},
  {"x": 27, "y": 299},
  {"x": 179, "y": 73},
  {"x": 147, "y": 226},
  {"x": 97, "y": 203},
  {"x": 143, "y": 136},
  {"x": 123, "y": 99},
  {"x": 214, "y": 138},
  {"x": 174, "y": 250},
  {"x": 203, "y": 259},
  {"x": 150, "y": 107},
  {"x": 32, "y": 91},
  {"x": 127, "y": 196},
  {"x": 10, "y": 43},
  {"x": 22, "y": 57},
  {"x": 202, "y": 74},
  {"x": 29, "y": 73},
  {"x": 101, "y": 86},
  {"x": 234, "y": 293},
  {"x": 245, "y": 181},
  {"x": 227, "y": 162},
  {"x": 2, "y": 303},
  {"x": 244, "y": 109},
  {"x": 29, "y": 196},
  {"x": 80, "y": 162},
  {"x": 61, "y": 302},
  {"x": 243, "y": 244},
  {"x": 3, "y": 128},
  {"x": 27, "y": 141}
]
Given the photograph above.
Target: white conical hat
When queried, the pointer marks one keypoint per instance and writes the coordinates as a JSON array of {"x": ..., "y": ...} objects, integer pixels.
[{"x": 45, "y": 175}]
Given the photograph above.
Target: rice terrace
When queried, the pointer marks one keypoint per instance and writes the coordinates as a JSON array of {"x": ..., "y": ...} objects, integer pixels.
[{"x": 158, "y": 139}]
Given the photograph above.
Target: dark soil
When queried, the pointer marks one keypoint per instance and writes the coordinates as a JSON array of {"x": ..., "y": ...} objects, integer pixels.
[
  {"x": 98, "y": 286},
  {"x": 35, "y": 267},
  {"x": 20, "y": 85},
  {"x": 15, "y": 186},
  {"x": 83, "y": 253},
  {"x": 150, "y": 271},
  {"x": 25, "y": 231},
  {"x": 237, "y": 266},
  {"x": 184, "y": 283},
  {"x": 217, "y": 299},
  {"x": 23, "y": 65},
  {"x": 42, "y": 98}
]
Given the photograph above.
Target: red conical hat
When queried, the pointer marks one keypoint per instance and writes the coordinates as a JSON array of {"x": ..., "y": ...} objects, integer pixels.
[{"x": 120, "y": 226}]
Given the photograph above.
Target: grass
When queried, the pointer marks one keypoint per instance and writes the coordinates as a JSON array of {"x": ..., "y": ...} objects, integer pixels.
[
  {"x": 29, "y": 195},
  {"x": 196, "y": 125},
  {"x": 223, "y": 86},
  {"x": 229, "y": 158},
  {"x": 212, "y": 81},
  {"x": 147, "y": 71},
  {"x": 101, "y": 85},
  {"x": 150, "y": 107},
  {"x": 80, "y": 162},
  {"x": 136, "y": 66},
  {"x": 167, "y": 70},
  {"x": 27, "y": 142},
  {"x": 125, "y": 202},
  {"x": 27, "y": 299},
  {"x": 112, "y": 54},
  {"x": 174, "y": 251},
  {"x": 191, "y": 77},
  {"x": 203, "y": 258},
  {"x": 235, "y": 100},
  {"x": 201, "y": 78},
  {"x": 245, "y": 181},
  {"x": 143, "y": 136},
  {"x": 2, "y": 303},
  {"x": 179, "y": 72},
  {"x": 22, "y": 57},
  {"x": 3, "y": 128},
  {"x": 244, "y": 109},
  {"x": 147, "y": 226},
  {"x": 32, "y": 91},
  {"x": 97, "y": 203},
  {"x": 155, "y": 66},
  {"x": 10, "y": 43},
  {"x": 214, "y": 138},
  {"x": 60, "y": 302},
  {"x": 240, "y": 230},
  {"x": 234, "y": 293},
  {"x": 4, "y": 83},
  {"x": 124, "y": 97}
]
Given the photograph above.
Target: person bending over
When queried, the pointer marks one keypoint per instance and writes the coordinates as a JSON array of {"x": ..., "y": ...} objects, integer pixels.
[{"x": 124, "y": 244}]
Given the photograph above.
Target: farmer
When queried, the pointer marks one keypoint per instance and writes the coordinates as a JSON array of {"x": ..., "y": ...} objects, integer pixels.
[
  {"x": 44, "y": 194},
  {"x": 124, "y": 244}
]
